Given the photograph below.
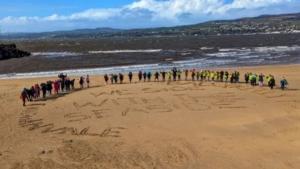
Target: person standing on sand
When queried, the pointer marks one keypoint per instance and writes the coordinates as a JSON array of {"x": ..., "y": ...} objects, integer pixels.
[
  {"x": 226, "y": 76},
  {"x": 130, "y": 76},
  {"x": 174, "y": 72},
  {"x": 140, "y": 75},
  {"x": 49, "y": 87},
  {"x": 283, "y": 83},
  {"x": 261, "y": 80},
  {"x": 156, "y": 75},
  {"x": 201, "y": 75},
  {"x": 37, "y": 90},
  {"x": 208, "y": 75},
  {"x": 145, "y": 76},
  {"x": 236, "y": 77},
  {"x": 68, "y": 84},
  {"x": 56, "y": 86},
  {"x": 186, "y": 72},
  {"x": 106, "y": 78},
  {"x": 169, "y": 76},
  {"x": 121, "y": 77},
  {"x": 246, "y": 78},
  {"x": 115, "y": 78},
  {"x": 179, "y": 74},
  {"x": 81, "y": 82},
  {"x": 149, "y": 75},
  {"x": 44, "y": 89},
  {"x": 193, "y": 75},
  {"x": 253, "y": 79},
  {"x": 212, "y": 76},
  {"x": 88, "y": 81},
  {"x": 24, "y": 96},
  {"x": 163, "y": 74},
  {"x": 198, "y": 74},
  {"x": 62, "y": 82},
  {"x": 31, "y": 93},
  {"x": 72, "y": 84},
  {"x": 232, "y": 77},
  {"x": 112, "y": 78},
  {"x": 222, "y": 76},
  {"x": 271, "y": 82}
]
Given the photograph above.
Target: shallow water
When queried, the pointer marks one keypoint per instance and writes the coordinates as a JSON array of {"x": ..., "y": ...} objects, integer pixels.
[{"x": 222, "y": 58}]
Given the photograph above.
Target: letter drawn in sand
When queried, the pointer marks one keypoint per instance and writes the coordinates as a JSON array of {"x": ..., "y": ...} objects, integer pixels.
[
  {"x": 99, "y": 114},
  {"x": 112, "y": 132}
]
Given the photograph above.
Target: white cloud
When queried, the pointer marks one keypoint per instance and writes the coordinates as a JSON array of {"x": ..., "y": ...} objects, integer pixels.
[
  {"x": 90, "y": 14},
  {"x": 171, "y": 9},
  {"x": 154, "y": 11},
  {"x": 250, "y": 4},
  {"x": 95, "y": 14}
]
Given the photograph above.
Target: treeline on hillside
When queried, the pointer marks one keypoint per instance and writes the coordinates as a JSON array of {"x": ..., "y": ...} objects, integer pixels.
[{"x": 8, "y": 51}]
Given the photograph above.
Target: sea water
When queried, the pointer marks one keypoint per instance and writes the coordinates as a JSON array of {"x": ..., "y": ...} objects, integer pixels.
[{"x": 222, "y": 58}]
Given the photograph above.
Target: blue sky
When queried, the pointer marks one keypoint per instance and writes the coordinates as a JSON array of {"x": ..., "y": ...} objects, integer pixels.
[{"x": 49, "y": 15}]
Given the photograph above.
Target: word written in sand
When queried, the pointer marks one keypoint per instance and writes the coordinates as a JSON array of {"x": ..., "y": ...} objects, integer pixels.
[{"x": 27, "y": 120}]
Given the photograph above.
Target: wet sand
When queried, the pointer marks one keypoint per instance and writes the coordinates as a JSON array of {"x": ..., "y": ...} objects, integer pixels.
[{"x": 177, "y": 125}]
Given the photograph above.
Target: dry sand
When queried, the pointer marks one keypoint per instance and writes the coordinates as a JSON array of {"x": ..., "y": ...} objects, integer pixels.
[{"x": 181, "y": 125}]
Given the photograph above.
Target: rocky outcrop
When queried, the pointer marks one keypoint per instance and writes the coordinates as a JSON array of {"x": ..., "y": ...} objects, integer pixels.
[{"x": 8, "y": 51}]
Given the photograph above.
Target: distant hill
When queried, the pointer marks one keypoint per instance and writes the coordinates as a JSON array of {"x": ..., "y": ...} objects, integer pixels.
[{"x": 265, "y": 24}]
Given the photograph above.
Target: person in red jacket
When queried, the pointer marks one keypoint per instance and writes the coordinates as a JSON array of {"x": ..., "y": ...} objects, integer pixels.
[
  {"x": 37, "y": 90},
  {"x": 56, "y": 86}
]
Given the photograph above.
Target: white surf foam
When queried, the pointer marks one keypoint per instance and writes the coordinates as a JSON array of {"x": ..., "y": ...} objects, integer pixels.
[
  {"x": 126, "y": 51},
  {"x": 55, "y": 54}
]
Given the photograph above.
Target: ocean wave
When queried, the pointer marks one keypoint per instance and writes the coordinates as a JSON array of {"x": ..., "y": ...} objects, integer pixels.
[
  {"x": 125, "y": 51},
  {"x": 277, "y": 49},
  {"x": 195, "y": 63},
  {"x": 55, "y": 54},
  {"x": 259, "y": 55}
]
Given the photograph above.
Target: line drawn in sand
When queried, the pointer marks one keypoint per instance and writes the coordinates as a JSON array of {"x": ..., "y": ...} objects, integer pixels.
[
  {"x": 100, "y": 113},
  {"x": 76, "y": 105},
  {"x": 76, "y": 117}
]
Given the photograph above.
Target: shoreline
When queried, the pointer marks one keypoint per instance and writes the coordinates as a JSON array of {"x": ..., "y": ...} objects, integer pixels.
[{"x": 118, "y": 69}]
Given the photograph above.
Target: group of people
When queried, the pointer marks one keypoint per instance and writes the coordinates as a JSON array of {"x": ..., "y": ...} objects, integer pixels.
[
  {"x": 65, "y": 84},
  {"x": 61, "y": 85},
  {"x": 207, "y": 75},
  {"x": 253, "y": 78}
]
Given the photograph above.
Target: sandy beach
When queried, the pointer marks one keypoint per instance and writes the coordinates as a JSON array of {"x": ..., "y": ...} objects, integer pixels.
[{"x": 154, "y": 125}]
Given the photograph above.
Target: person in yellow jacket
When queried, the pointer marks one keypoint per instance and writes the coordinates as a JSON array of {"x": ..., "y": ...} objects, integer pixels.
[
  {"x": 216, "y": 76},
  {"x": 212, "y": 76},
  {"x": 169, "y": 75}
]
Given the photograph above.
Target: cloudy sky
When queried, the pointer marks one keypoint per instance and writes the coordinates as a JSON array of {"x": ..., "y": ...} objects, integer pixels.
[{"x": 49, "y": 15}]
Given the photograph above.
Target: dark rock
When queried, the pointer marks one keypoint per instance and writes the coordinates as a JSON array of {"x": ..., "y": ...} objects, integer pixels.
[{"x": 8, "y": 51}]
